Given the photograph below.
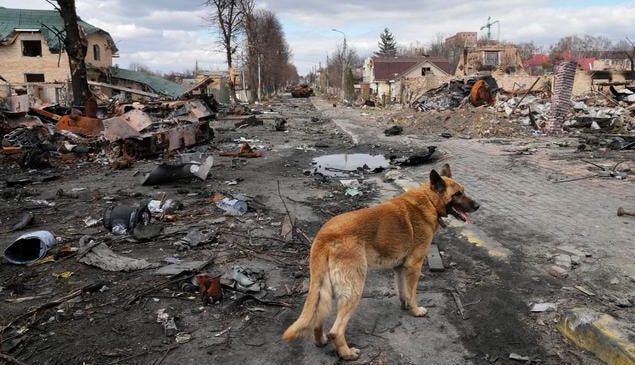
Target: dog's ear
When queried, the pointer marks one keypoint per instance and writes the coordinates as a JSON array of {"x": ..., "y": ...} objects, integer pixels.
[
  {"x": 436, "y": 181},
  {"x": 445, "y": 171}
]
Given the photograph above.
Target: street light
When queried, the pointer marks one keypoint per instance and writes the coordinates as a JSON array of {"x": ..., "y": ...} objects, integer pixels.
[{"x": 343, "y": 62}]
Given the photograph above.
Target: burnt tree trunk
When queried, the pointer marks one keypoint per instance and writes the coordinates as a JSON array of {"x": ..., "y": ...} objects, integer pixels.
[{"x": 76, "y": 47}]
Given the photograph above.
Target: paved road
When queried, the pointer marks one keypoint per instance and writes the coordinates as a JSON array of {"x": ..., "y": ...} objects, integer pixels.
[{"x": 526, "y": 219}]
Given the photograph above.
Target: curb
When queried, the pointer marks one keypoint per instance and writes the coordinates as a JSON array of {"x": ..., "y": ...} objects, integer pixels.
[{"x": 600, "y": 334}]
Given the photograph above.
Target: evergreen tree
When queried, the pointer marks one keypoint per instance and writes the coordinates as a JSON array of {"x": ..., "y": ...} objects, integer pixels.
[{"x": 387, "y": 44}]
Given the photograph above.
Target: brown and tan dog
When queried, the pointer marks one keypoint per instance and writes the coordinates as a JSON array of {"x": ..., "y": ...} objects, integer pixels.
[{"x": 395, "y": 234}]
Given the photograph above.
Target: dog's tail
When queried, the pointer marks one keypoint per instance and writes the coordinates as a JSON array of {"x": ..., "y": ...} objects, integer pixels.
[{"x": 318, "y": 300}]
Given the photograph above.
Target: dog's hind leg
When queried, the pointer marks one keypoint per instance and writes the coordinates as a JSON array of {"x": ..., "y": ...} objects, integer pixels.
[
  {"x": 400, "y": 280},
  {"x": 348, "y": 284}
]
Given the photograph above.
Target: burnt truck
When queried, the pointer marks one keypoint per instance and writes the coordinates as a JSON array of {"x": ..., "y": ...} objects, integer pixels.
[{"x": 301, "y": 91}]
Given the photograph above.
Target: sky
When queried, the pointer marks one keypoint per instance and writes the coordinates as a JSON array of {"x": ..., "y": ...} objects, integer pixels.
[{"x": 172, "y": 35}]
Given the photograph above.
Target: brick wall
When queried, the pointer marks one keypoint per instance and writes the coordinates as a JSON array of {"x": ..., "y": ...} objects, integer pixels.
[{"x": 15, "y": 65}]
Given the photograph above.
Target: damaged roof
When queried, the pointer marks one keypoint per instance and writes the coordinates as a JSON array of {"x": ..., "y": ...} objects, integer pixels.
[
  {"x": 13, "y": 19},
  {"x": 156, "y": 83},
  {"x": 391, "y": 68}
]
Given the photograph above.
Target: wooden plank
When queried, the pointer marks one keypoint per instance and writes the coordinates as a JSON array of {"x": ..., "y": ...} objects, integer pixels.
[{"x": 434, "y": 259}]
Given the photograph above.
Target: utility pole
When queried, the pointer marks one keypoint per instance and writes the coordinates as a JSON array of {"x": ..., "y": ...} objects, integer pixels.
[
  {"x": 259, "y": 81},
  {"x": 327, "y": 74},
  {"x": 343, "y": 64}
]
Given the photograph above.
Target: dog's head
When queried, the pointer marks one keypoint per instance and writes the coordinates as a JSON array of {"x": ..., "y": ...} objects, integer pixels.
[{"x": 451, "y": 195}]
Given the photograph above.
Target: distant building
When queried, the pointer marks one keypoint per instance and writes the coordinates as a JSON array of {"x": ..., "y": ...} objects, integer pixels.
[
  {"x": 491, "y": 56},
  {"x": 462, "y": 39}
]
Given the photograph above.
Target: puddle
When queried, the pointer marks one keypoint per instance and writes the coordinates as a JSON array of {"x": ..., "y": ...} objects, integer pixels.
[{"x": 341, "y": 165}]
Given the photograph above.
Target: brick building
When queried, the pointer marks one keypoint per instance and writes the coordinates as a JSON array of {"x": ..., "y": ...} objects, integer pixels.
[{"x": 32, "y": 52}]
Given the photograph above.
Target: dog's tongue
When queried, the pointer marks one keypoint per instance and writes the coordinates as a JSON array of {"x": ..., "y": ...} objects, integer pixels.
[{"x": 465, "y": 216}]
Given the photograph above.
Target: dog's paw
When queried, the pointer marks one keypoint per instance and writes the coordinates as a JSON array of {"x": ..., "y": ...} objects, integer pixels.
[
  {"x": 404, "y": 304},
  {"x": 418, "y": 311},
  {"x": 351, "y": 354}
]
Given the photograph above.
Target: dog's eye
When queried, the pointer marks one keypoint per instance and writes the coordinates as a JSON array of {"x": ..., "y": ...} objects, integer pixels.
[{"x": 457, "y": 194}]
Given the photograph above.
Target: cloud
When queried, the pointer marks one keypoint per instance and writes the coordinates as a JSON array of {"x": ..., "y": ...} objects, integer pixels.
[{"x": 169, "y": 35}]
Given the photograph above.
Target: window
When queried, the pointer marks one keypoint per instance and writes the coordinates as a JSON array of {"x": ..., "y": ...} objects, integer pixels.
[
  {"x": 34, "y": 77},
  {"x": 96, "y": 54},
  {"x": 32, "y": 48},
  {"x": 425, "y": 70},
  {"x": 490, "y": 58}
]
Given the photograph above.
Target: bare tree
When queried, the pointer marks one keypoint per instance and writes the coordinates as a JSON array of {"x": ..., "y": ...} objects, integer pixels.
[
  {"x": 627, "y": 47},
  {"x": 228, "y": 16},
  {"x": 579, "y": 46},
  {"x": 527, "y": 49},
  {"x": 76, "y": 47},
  {"x": 267, "y": 53}
]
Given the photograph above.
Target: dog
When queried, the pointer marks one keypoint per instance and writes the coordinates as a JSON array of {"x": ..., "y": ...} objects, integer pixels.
[{"x": 394, "y": 234}]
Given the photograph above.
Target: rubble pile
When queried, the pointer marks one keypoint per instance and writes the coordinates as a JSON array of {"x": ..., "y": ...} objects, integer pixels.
[
  {"x": 590, "y": 112},
  {"x": 112, "y": 131},
  {"x": 596, "y": 111},
  {"x": 479, "y": 90}
]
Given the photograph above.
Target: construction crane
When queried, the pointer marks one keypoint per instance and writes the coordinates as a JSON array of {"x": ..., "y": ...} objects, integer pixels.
[{"x": 489, "y": 25}]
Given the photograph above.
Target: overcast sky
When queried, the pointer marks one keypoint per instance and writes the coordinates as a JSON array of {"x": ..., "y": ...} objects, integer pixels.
[{"x": 171, "y": 35}]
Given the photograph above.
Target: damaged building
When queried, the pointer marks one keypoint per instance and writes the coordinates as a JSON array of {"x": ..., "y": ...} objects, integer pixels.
[{"x": 392, "y": 79}]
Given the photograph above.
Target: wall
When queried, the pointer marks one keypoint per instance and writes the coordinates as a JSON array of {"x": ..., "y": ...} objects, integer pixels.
[
  {"x": 15, "y": 65},
  {"x": 414, "y": 87}
]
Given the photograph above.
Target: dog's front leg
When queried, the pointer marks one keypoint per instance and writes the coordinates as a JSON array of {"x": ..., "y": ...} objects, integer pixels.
[{"x": 412, "y": 271}]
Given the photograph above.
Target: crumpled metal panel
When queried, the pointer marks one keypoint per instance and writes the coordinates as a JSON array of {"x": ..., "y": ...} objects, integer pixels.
[{"x": 127, "y": 125}]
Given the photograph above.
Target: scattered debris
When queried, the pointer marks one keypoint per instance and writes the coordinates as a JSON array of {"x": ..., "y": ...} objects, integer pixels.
[
  {"x": 435, "y": 263},
  {"x": 25, "y": 221},
  {"x": 244, "y": 279},
  {"x": 209, "y": 287},
  {"x": 178, "y": 268},
  {"x": 514, "y": 356},
  {"x": 123, "y": 219},
  {"x": 280, "y": 124},
  {"x": 170, "y": 173},
  {"x": 245, "y": 151},
  {"x": 543, "y": 307},
  {"x": 169, "y": 325},
  {"x": 101, "y": 256},
  {"x": 29, "y": 247},
  {"x": 393, "y": 131},
  {"x": 584, "y": 290},
  {"x": 416, "y": 159},
  {"x": 343, "y": 165},
  {"x": 232, "y": 206},
  {"x": 557, "y": 271},
  {"x": 250, "y": 121}
]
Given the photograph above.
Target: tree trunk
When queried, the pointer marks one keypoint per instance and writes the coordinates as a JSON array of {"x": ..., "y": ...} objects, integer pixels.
[
  {"x": 230, "y": 79},
  {"x": 76, "y": 47}
]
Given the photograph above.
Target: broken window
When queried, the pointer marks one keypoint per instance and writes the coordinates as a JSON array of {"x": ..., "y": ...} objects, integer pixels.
[
  {"x": 32, "y": 48},
  {"x": 34, "y": 77},
  {"x": 425, "y": 70},
  {"x": 96, "y": 54},
  {"x": 490, "y": 58}
]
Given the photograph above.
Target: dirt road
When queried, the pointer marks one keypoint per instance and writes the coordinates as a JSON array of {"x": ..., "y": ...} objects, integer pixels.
[{"x": 494, "y": 268}]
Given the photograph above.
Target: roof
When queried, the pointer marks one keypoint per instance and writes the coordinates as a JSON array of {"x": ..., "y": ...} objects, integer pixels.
[
  {"x": 12, "y": 19},
  {"x": 390, "y": 68},
  {"x": 537, "y": 59},
  {"x": 158, "y": 84}
]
